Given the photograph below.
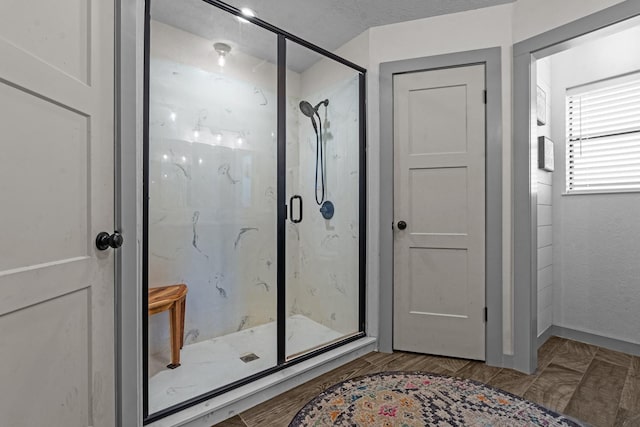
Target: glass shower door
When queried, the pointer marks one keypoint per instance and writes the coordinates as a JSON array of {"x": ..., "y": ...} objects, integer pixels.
[
  {"x": 211, "y": 210},
  {"x": 323, "y": 190},
  {"x": 234, "y": 288}
]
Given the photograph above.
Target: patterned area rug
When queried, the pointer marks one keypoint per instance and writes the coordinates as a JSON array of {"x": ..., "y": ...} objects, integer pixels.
[{"x": 416, "y": 399}]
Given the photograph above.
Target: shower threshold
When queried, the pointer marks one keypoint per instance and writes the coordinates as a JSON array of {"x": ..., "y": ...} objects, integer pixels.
[{"x": 211, "y": 364}]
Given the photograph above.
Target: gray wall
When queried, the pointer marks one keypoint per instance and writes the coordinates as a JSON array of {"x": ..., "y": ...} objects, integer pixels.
[{"x": 596, "y": 265}]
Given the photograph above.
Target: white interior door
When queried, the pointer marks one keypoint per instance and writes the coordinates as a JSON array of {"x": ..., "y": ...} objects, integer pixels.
[
  {"x": 439, "y": 193},
  {"x": 56, "y": 194}
]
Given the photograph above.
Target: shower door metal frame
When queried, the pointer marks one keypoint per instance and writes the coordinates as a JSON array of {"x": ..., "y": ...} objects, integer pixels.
[{"x": 282, "y": 361}]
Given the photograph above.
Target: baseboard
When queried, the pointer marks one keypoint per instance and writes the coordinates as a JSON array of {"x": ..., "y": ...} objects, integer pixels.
[
  {"x": 236, "y": 401},
  {"x": 543, "y": 337},
  {"x": 593, "y": 339},
  {"x": 508, "y": 361}
]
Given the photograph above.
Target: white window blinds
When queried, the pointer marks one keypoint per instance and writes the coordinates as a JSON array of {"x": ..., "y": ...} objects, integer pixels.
[{"x": 603, "y": 136}]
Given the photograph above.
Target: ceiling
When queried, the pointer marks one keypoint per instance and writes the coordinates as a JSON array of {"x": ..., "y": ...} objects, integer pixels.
[{"x": 326, "y": 23}]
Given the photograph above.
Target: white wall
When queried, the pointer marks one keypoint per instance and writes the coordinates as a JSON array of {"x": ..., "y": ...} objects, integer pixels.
[
  {"x": 545, "y": 208},
  {"x": 533, "y": 17},
  {"x": 596, "y": 262}
]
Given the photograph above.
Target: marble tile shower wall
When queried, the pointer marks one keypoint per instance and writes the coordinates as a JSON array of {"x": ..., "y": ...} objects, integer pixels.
[
  {"x": 212, "y": 221},
  {"x": 212, "y": 204},
  {"x": 327, "y": 291}
]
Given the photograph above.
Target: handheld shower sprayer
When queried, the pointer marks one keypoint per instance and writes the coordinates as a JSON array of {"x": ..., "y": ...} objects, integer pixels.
[
  {"x": 308, "y": 110},
  {"x": 311, "y": 111}
]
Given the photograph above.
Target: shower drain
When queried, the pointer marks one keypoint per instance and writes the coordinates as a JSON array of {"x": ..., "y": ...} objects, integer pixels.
[{"x": 249, "y": 357}]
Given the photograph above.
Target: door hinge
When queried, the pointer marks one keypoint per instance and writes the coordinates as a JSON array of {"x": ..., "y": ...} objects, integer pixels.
[
  {"x": 485, "y": 96},
  {"x": 486, "y": 315}
]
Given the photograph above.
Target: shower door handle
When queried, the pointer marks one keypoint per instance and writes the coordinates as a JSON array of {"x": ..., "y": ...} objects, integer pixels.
[{"x": 299, "y": 219}]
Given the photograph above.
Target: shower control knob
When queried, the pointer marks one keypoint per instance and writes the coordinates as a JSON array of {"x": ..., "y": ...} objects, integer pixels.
[
  {"x": 402, "y": 225},
  {"x": 105, "y": 240}
]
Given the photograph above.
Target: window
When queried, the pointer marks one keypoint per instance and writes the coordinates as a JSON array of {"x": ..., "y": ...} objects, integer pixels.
[{"x": 603, "y": 136}]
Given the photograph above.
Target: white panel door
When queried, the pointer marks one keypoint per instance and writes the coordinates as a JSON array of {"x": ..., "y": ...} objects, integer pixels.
[
  {"x": 56, "y": 194},
  {"x": 439, "y": 193}
]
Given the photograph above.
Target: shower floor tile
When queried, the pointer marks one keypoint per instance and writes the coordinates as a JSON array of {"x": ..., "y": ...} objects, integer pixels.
[{"x": 210, "y": 364}]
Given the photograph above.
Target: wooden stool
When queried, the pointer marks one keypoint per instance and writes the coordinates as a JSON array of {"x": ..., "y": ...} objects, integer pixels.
[{"x": 173, "y": 298}]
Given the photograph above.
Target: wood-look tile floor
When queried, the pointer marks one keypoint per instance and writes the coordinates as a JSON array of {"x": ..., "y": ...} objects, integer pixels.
[{"x": 592, "y": 384}]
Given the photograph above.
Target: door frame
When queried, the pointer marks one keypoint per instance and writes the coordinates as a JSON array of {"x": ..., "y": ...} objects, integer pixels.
[
  {"x": 525, "y": 216},
  {"x": 491, "y": 58},
  {"x": 129, "y": 60}
]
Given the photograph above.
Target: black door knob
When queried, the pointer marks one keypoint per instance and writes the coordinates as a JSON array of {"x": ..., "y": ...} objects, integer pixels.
[
  {"x": 105, "y": 240},
  {"x": 402, "y": 225}
]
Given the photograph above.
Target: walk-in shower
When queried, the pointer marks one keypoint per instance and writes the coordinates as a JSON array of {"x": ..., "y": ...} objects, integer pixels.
[{"x": 246, "y": 126}]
